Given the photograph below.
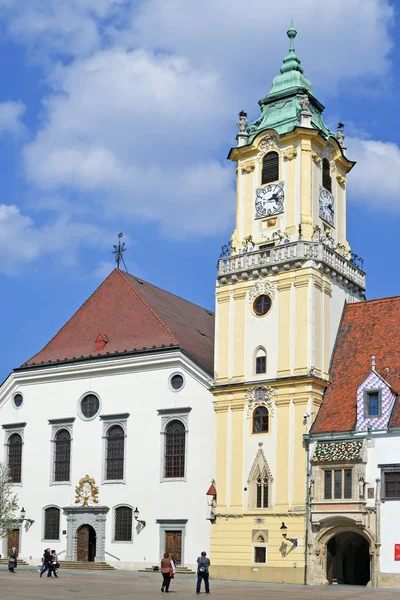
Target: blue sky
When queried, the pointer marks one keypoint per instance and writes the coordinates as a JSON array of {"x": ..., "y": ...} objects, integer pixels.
[{"x": 117, "y": 115}]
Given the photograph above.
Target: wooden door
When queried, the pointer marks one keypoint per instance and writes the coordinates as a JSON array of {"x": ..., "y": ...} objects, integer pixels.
[
  {"x": 173, "y": 545},
  {"x": 13, "y": 540},
  {"x": 82, "y": 551}
]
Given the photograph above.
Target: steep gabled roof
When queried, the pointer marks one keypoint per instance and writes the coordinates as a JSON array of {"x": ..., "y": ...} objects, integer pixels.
[
  {"x": 367, "y": 329},
  {"x": 130, "y": 314}
]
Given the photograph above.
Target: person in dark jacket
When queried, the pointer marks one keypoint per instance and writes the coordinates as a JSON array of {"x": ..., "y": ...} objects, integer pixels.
[
  {"x": 202, "y": 572},
  {"x": 166, "y": 570},
  {"x": 12, "y": 561}
]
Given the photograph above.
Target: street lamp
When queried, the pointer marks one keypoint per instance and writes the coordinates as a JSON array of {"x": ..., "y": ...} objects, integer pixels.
[
  {"x": 22, "y": 517},
  {"x": 283, "y": 529},
  {"x": 136, "y": 515}
]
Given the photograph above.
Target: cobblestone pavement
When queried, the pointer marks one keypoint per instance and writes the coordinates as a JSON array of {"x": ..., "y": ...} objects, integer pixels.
[{"x": 119, "y": 585}]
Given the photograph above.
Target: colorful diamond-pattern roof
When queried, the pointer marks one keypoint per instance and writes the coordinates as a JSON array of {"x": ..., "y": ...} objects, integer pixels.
[{"x": 337, "y": 451}]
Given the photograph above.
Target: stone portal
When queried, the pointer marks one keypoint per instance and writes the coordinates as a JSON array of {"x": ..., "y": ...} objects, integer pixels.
[{"x": 86, "y": 522}]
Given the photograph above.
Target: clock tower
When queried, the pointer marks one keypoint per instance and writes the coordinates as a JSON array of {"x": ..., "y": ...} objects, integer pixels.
[{"x": 283, "y": 280}]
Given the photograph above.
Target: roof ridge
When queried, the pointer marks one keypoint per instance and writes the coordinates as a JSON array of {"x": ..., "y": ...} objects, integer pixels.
[
  {"x": 385, "y": 299},
  {"x": 149, "y": 307},
  {"x": 70, "y": 319}
]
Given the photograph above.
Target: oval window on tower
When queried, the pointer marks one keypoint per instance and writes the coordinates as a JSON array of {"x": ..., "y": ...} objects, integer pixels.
[{"x": 262, "y": 305}]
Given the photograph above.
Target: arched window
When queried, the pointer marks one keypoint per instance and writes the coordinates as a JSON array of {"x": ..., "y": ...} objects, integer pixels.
[
  {"x": 15, "y": 457},
  {"x": 123, "y": 524},
  {"x": 260, "y": 420},
  {"x": 52, "y": 523},
  {"x": 174, "y": 464},
  {"x": 270, "y": 168},
  {"x": 261, "y": 361},
  {"x": 262, "y": 491},
  {"x": 326, "y": 175},
  {"x": 115, "y": 453},
  {"x": 62, "y": 455}
]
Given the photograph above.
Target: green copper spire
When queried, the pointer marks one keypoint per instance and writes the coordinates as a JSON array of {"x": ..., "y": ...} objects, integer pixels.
[{"x": 280, "y": 109}]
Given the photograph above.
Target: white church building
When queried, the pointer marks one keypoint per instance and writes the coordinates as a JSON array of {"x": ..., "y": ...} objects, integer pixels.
[{"x": 109, "y": 431}]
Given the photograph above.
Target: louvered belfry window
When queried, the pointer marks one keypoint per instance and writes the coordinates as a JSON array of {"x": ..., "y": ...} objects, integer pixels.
[
  {"x": 15, "y": 457},
  {"x": 123, "y": 524},
  {"x": 115, "y": 453},
  {"x": 326, "y": 175},
  {"x": 174, "y": 463},
  {"x": 52, "y": 523},
  {"x": 62, "y": 456},
  {"x": 270, "y": 168}
]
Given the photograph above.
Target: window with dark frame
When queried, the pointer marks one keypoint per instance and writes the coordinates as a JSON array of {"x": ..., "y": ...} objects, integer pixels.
[
  {"x": 62, "y": 455},
  {"x": 15, "y": 457},
  {"x": 262, "y": 492},
  {"x": 115, "y": 453},
  {"x": 262, "y": 305},
  {"x": 261, "y": 364},
  {"x": 52, "y": 523},
  {"x": 338, "y": 484},
  {"x": 174, "y": 457},
  {"x": 373, "y": 404},
  {"x": 270, "y": 168},
  {"x": 391, "y": 484},
  {"x": 260, "y": 420},
  {"x": 90, "y": 405},
  {"x": 123, "y": 524},
  {"x": 260, "y": 554},
  {"x": 326, "y": 175}
]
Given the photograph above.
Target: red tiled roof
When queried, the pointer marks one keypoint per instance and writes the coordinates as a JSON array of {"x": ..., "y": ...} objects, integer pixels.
[
  {"x": 132, "y": 315},
  {"x": 367, "y": 329}
]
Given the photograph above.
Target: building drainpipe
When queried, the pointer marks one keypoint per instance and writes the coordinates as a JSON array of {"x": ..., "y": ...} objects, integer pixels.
[{"x": 307, "y": 443}]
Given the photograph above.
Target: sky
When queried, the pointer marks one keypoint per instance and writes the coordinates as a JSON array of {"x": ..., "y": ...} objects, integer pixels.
[{"x": 118, "y": 115}]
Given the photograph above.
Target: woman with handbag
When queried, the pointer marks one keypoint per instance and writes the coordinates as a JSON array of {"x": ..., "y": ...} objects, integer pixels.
[
  {"x": 12, "y": 561},
  {"x": 166, "y": 570}
]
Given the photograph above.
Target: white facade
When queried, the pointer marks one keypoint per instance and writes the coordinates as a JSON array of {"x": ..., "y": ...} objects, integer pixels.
[{"x": 134, "y": 392}]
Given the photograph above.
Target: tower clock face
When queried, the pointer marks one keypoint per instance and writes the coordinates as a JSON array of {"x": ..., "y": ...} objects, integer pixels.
[
  {"x": 327, "y": 206},
  {"x": 269, "y": 200}
]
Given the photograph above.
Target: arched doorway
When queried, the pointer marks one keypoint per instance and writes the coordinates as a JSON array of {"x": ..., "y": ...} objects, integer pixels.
[
  {"x": 348, "y": 559},
  {"x": 86, "y": 543}
]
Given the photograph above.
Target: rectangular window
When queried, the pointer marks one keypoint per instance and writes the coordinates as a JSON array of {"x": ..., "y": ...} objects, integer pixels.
[
  {"x": 338, "y": 484},
  {"x": 328, "y": 485},
  {"x": 260, "y": 555},
  {"x": 373, "y": 404},
  {"x": 392, "y": 484},
  {"x": 347, "y": 483},
  {"x": 261, "y": 364}
]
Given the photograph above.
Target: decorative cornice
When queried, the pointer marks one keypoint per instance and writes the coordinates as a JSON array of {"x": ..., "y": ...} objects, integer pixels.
[
  {"x": 116, "y": 417},
  {"x": 173, "y": 411},
  {"x": 341, "y": 179},
  {"x": 290, "y": 153},
  {"x": 14, "y": 425},
  {"x": 248, "y": 167},
  {"x": 66, "y": 421}
]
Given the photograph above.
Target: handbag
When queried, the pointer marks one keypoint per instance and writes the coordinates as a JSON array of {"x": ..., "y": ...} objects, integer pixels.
[{"x": 171, "y": 573}]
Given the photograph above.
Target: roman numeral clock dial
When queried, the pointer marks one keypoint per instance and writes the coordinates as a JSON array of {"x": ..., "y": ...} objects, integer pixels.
[
  {"x": 327, "y": 206},
  {"x": 269, "y": 200}
]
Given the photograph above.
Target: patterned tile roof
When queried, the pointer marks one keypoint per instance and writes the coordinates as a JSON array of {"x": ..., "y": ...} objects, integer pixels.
[
  {"x": 132, "y": 315},
  {"x": 337, "y": 451},
  {"x": 367, "y": 329}
]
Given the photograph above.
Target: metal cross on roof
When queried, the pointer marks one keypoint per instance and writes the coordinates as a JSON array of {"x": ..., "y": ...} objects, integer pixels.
[{"x": 119, "y": 250}]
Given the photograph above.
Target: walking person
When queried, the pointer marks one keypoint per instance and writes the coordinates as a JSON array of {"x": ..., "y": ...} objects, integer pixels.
[
  {"x": 166, "y": 571},
  {"x": 55, "y": 564},
  {"x": 12, "y": 561},
  {"x": 203, "y": 564},
  {"x": 43, "y": 568}
]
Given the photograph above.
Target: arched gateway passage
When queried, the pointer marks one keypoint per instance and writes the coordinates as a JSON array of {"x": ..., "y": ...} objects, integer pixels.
[{"x": 348, "y": 559}]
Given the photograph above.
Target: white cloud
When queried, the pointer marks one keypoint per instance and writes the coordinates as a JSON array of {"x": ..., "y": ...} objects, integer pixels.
[
  {"x": 11, "y": 114},
  {"x": 375, "y": 178}
]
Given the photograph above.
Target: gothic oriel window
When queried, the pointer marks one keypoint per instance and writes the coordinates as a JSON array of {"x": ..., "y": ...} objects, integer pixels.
[
  {"x": 115, "y": 443},
  {"x": 262, "y": 491},
  {"x": 174, "y": 460},
  {"x": 270, "y": 168},
  {"x": 260, "y": 420},
  {"x": 326, "y": 175},
  {"x": 123, "y": 524},
  {"x": 62, "y": 455},
  {"x": 15, "y": 457},
  {"x": 52, "y": 523}
]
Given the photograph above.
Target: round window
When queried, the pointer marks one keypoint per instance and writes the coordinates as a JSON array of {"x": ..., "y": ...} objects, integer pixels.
[
  {"x": 18, "y": 400},
  {"x": 90, "y": 405},
  {"x": 262, "y": 305},
  {"x": 177, "y": 382}
]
